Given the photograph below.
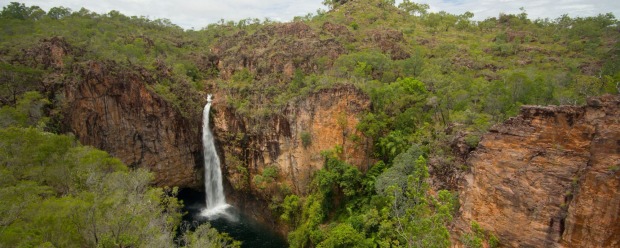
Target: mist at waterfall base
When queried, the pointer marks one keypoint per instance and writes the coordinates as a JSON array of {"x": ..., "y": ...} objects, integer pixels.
[
  {"x": 212, "y": 207},
  {"x": 241, "y": 227}
]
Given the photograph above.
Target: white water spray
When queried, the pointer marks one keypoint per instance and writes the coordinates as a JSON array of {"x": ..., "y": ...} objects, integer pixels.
[{"x": 216, "y": 201}]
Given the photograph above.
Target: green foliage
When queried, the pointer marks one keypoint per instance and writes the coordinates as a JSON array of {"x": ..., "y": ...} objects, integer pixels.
[
  {"x": 363, "y": 65},
  {"x": 392, "y": 144},
  {"x": 401, "y": 211},
  {"x": 369, "y": 180},
  {"x": 16, "y": 80},
  {"x": 418, "y": 217},
  {"x": 267, "y": 177},
  {"x": 343, "y": 235},
  {"x": 56, "y": 193},
  {"x": 478, "y": 237},
  {"x": 206, "y": 236},
  {"x": 291, "y": 207},
  {"x": 345, "y": 177},
  {"x": 239, "y": 174},
  {"x": 398, "y": 114},
  {"x": 58, "y": 13},
  {"x": 306, "y": 139},
  {"x": 404, "y": 165},
  {"x": 27, "y": 112},
  {"x": 415, "y": 9},
  {"x": 312, "y": 214},
  {"x": 455, "y": 75},
  {"x": 19, "y": 11},
  {"x": 472, "y": 140},
  {"x": 489, "y": 67}
]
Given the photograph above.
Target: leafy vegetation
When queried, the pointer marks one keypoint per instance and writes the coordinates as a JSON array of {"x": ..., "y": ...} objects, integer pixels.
[
  {"x": 432, "y": 77},
  {"x": 57, "y": 193},
  {"x": 478, "y": 237},
  {"x": 394, "y": 209}
]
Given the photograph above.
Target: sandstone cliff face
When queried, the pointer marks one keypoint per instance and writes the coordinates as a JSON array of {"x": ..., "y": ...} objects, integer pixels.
[
  {"x": 549, "y": 177},
  {"x": 328, "y": 118},
  {"x": 112, "y": 109}
]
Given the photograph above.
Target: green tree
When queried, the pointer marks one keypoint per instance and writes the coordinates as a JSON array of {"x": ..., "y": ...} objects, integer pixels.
[
  {"x": 206, "y": 236},
  {"x": 343, "y": 235},
  {"x": 58, "y": 13},
  {"x": 16, "y": 80},
  {"x": 56, "y": 193},
  {"x": 413, "y": 8},
  {"x": 291, "y": 206},
  {"x": 19, "y": 11},
  {"x": 28, "y": 112},
  {"x": 418, "y": 218}
]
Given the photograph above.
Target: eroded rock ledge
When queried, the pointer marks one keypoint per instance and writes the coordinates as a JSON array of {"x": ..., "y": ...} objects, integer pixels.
[{"x": 549, "y": 177}]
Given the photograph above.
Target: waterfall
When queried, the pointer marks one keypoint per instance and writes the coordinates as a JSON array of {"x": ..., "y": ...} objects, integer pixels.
[{"x": 216, "y": 201}]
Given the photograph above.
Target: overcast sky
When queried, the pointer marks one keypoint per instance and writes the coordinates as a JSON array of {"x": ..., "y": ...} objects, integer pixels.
[{"x": 199, "y": 13}]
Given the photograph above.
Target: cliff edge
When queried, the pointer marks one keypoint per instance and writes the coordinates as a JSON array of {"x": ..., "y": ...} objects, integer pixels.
[
  {"x": 112, "y": 109},
  {"x": 549, "y": 177}
]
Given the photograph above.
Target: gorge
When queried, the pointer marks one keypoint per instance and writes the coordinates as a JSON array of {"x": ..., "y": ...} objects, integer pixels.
[
  {"x": 368, "y": 125},
  {"x": 216, "y": 211}
]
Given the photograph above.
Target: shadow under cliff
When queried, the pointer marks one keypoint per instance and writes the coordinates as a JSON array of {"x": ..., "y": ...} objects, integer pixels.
[{"x": 238, "y": 225}]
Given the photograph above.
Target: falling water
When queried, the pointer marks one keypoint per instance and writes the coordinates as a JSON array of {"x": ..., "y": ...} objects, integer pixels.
[{"x": 216, "y": 201}]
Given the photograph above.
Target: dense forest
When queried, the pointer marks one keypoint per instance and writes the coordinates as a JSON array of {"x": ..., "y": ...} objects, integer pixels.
[{"x": 432, "y": 78}]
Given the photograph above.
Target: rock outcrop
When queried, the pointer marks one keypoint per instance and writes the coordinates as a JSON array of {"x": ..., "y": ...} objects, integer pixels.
[
  {"x": 390, "y": 42},
  {"x": 325, "y": 119},
  {"x": 274, "y": 49},
  {"x": 549, "y": 177},
  {"x": 112, "y": 109}
]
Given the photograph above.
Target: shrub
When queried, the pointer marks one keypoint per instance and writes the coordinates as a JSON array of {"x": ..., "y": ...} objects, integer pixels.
[{"x": 306, "y": 139}]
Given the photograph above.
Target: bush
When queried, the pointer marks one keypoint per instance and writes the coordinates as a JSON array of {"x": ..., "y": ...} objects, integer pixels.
[
  {"x": 54, "y": 191},
  {"x": 306, "y": 139},
  {"x": 472, "y": 140}
]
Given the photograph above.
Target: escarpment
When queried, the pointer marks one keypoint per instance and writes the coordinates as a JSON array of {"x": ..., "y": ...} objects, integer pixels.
[
  {"x": 549, "y": 177},
  {"x": 290, "y": 143},
  {"x": 112, "y": 109}
]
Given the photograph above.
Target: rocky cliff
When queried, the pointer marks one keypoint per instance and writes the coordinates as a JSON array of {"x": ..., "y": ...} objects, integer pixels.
[
  {"x": 291, "y": 143},
  {"x": 112, "y": 109},
  {"x": 549, "y": 177}
]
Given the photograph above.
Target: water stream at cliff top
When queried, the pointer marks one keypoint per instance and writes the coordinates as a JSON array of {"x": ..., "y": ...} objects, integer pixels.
[{"x": 214, "y": 191}]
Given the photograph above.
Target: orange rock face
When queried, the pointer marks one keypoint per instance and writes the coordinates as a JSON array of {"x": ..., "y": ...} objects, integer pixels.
[
  {"x": 549, "y": 177},
  {"x": 328, "y": 118}
]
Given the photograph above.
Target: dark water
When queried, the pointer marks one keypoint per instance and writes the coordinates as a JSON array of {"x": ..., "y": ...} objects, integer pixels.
[{"x": 237, "y": 225}]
